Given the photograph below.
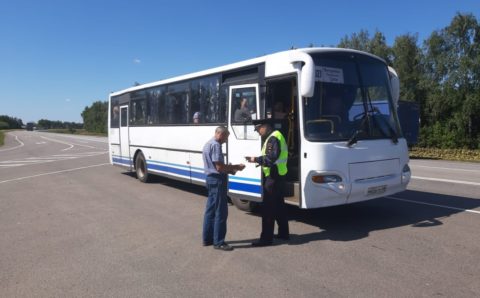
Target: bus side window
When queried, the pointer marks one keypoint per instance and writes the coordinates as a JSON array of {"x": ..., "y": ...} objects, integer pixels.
[
  {"x": 244, "y": 105},
  {"x": 124, "y": 117},
  {"x": 115, "y": 114}
]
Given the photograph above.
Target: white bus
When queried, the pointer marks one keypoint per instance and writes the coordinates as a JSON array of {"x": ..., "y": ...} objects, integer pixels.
[{"x": 336, "y": 108}]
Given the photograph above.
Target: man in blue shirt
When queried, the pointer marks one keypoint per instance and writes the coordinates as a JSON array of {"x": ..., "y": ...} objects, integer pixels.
[{"x": 216, "y": 210}]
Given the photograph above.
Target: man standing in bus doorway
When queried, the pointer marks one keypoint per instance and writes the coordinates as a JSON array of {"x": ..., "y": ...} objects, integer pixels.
[
  {"x": 216, "y": 210},
  {"x": 274, "y": 167}
]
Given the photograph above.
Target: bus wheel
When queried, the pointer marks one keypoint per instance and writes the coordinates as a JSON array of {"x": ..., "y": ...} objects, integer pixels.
[
  {"x": 245, "y": 205},
  {"x": 141, "y": 168}
]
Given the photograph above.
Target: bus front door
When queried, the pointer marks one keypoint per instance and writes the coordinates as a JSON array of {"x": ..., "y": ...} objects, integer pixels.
[
  {"x": 245, "y": 186},
  {"x": 124, "y": 138}
]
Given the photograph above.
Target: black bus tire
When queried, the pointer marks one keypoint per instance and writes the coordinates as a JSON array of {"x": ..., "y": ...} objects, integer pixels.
[
  {"x": 245, "y": 205},
  {"x": 141, "y": 168}
]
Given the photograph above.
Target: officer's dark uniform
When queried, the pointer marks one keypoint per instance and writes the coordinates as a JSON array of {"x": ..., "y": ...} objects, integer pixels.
[{"x": 273, "y": 208}]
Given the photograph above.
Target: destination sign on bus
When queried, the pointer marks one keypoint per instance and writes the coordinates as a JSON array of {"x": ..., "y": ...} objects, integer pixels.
[{"x": 329, "y": 74}]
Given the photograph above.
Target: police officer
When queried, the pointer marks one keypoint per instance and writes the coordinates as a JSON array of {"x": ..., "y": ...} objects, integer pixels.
[{"x": 274, "y": 167}]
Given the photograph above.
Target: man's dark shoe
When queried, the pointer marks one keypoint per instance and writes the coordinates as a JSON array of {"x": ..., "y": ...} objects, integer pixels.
[
  {"x": 260, "y": 243},
  {"x": 282, "y": 237},
  {"x": 207, "y": 243},
  {"x": 223, "y": 246}
]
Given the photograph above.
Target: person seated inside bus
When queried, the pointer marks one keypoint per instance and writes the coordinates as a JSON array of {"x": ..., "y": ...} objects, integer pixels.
[
  {"x": 279, "y": 111},
  {"x": 196, "y": 117},
  {"x": 243, "y": 113},
  {"x": 115, "y": 116}
]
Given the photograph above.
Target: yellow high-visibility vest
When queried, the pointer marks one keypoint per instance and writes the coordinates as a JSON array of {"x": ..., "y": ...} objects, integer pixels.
[{"x": 282, "y": 159}]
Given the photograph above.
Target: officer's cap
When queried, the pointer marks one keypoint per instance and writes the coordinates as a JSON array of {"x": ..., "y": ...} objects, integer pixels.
[{"x": 259, "y": 123}]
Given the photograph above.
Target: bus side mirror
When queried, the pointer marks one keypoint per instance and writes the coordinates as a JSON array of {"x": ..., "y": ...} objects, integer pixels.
[
  {"x": 395, "y": 84},
  {"x": 304, "y": 63}
]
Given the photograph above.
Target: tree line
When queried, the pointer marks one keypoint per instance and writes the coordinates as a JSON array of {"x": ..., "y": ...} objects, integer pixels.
[
  {"x": 95, "y": 117},
  {"x": 442, "y": 75},
  {"x": 48, "y": 124},
  {"x": 7, "y": 122}
]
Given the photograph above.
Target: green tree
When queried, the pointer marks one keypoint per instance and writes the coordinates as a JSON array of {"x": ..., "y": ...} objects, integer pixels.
[
  {"x": 44, "y": 124},
  {"x": 358, "y": 41},
  {"x": 13, "y": 122},
  {"x": 452, "y": 67},
  {"x": 407, "y": 61},
  {"x": 361, "y": 41},
  {"x": 95, "y": 117}
]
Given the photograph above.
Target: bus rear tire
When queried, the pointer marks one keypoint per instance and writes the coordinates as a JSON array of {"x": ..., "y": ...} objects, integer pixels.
[
  {"x": 245, "y": 205},
  {"x": 141, "y": 168}
]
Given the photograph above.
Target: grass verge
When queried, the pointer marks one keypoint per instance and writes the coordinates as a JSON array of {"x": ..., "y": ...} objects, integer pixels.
[
  {"x": 76, "y": 132},
  {"x": 2, "y": 138},
  {"x": 445, "y": 154}
]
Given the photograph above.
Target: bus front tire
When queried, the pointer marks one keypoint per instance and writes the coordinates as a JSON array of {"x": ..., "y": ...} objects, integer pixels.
[
  {"x": 245, "y": 205},
  {"x": 141, "y": 168}
]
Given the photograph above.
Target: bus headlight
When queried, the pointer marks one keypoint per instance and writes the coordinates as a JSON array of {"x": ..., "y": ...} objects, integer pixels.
[
  {"x": 406, "y": 174},
  {"x": 333, "y": 182},
  {"x": 326, "y": 178}
]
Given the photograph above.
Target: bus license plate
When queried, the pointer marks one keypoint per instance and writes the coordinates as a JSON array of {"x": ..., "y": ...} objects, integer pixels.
[{"x": 376, "y": 190}]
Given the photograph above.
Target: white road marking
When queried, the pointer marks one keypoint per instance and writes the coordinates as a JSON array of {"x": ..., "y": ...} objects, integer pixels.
[
  {"x": 53, "y": 157},
  {"x": 16, "y": 147},
  {"x": 57, "y": 141},
  {"x": 446, "y": 180},
  {"x": 46, "y": 159},
  {"x": 92, "y": 139},
  {"x": 436, "y": 205},
  {"x": 53, "y": 173},
  {"x": 16, "y": 161},
  {"x": 80, "y": 154},
  {"x": 72, "y": 144},
  {"x": 449, "y": 169}
]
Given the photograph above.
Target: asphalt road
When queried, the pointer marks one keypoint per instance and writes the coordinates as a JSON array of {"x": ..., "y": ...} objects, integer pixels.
[{"x": 72, "y": 225}]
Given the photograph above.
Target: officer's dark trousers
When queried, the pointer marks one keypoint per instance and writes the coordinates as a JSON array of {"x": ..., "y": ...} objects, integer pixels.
[{"x": 273, "y": 208}]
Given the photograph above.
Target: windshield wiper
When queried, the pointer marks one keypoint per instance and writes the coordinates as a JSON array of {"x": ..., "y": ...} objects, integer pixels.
[
  {"x": 361, "y": 128},
  {"x": 353, "y": 139},
  {"x": 393, "y": 133}
]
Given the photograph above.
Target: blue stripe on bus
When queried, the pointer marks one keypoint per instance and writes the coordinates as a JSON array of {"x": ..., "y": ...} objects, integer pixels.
[
  {"x": 245, "y": 179},
  {"x": 167, "y": 164},
  {"x": 198, "y": 175},
  {"x": 245, "y": 187},
  {"x": 169, "y": 169},
  {"x": 123, "y": 161},
  {"x": 233, "y": 185}
]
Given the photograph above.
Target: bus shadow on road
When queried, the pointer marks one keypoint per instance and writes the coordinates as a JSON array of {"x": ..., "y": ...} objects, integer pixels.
[{"x": 356, "y": 221}]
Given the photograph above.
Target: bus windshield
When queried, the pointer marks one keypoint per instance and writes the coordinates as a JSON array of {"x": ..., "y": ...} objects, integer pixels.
[{"x": 352, "y": 100}]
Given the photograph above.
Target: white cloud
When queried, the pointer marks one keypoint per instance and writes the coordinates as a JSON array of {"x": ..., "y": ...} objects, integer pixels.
[
  {"x": 68, "y": 100},
  {"x": 137, "y": 61}
]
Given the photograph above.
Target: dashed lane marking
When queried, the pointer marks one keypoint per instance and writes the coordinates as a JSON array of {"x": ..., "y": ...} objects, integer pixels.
[
  {"x": 435, "y": 205},
  {"x": 447, "y": 180},
  {"x": 45, "y": 159},
  {"x": 53, "y": 173}
]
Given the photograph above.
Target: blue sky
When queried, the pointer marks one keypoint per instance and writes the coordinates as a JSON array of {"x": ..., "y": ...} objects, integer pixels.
[{"x": 57, "y": 57}]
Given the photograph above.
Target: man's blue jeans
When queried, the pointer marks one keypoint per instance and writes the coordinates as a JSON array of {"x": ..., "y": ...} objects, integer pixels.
[{"x": 216, "y": 211}]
